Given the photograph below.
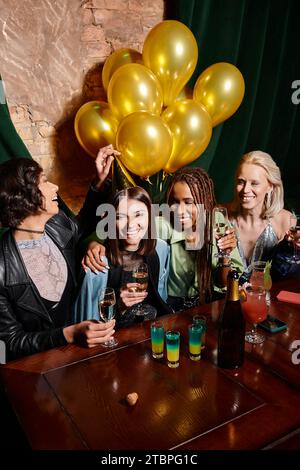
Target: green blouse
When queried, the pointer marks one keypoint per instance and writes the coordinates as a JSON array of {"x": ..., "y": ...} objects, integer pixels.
[{"x": 183, "y": 275}]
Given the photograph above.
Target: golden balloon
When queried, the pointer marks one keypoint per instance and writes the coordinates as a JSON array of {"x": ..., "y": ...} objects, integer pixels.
[
  {"x": 132, "y": 88},
  {"x": 171, "y": 52},
  {"x": 220, "y": 88},
  {"x": 145, "y": 143},
  {"x": 118, "y": 58},
  {"x": 191, "y": 127},
  {"x": 95, "y": 126}
]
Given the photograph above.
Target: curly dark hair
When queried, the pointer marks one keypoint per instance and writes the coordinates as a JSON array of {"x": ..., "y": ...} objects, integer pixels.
[{"x": 19, "y": 192}]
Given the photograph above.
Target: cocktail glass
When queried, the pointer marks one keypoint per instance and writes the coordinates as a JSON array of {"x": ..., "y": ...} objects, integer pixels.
[
  {"x": 173, "y": 345},
  {"x": 255, "y": 310},
  {"x": 195, "y": 339},
  {"x": 157, "y": 339},
  {"x": 201, "y": 320}
]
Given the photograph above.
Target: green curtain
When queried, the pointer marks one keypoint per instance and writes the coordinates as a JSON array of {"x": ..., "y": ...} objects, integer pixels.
[
  {"x": 11, "y": 145},
  {"x": 261, "y": 38}
]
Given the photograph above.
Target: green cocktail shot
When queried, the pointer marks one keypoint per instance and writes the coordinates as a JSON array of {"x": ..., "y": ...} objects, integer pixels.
[
  {"x": 195, "y": 341},
  {"x": 173, "y": 344},
  {"x": 201, "y": 320},
  {"x": 157, "y": 340}
]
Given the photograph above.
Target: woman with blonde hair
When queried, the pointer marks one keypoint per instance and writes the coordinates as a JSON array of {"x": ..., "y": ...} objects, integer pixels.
[{"x": 257, "y": 211}]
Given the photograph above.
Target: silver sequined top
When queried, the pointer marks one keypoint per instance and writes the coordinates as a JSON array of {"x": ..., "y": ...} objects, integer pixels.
[{"x": 262, "y": 249}]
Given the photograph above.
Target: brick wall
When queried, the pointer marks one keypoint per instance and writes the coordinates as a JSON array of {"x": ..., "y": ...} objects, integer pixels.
[{"x": 52, "y": 52}]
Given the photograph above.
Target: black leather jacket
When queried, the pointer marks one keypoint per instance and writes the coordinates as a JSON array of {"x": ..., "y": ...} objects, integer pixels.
[{"x": 25, "y": 325}]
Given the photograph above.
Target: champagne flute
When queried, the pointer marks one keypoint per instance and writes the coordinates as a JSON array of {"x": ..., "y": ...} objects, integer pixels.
[
  {"x": 107, "y": 311},
  {"x": 294, "y": 234},
  {"x": 220, "y": 225},
  {"x": 258, "y": 273},
  {"x": 140, "y": 277}
]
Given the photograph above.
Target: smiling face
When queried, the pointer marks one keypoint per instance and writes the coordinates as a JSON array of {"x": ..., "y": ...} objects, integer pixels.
[
  {"x": 49, "y": 193},
  {"x": 182, "y": 202},
  {"x": 252, "y": 186},
  {"x": 132, "y": 222}
]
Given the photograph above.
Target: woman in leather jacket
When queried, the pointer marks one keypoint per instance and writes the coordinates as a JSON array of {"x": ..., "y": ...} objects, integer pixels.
[{"x": 37, "y": 263}]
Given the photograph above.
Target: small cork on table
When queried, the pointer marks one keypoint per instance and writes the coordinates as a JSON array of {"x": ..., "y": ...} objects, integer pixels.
[{"x": 132, "y": 398}]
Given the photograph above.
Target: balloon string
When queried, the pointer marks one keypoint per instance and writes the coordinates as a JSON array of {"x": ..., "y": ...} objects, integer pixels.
[{"x": 124, "y": 170}]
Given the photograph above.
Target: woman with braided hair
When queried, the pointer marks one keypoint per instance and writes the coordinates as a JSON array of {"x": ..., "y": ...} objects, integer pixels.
[
  {"x": 191, "y": 270},
  {"x": 196, "y": 274}
]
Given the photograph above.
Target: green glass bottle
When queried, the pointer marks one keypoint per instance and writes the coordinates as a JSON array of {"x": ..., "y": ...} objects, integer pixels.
[{"x": 231, "y": 337}]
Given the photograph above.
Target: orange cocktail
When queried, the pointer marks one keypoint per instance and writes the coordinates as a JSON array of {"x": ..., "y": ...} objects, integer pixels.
[{"x": 255, "y": 311}]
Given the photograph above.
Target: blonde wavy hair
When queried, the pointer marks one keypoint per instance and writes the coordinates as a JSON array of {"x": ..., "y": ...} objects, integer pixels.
[{"x": 274, "y": 199}]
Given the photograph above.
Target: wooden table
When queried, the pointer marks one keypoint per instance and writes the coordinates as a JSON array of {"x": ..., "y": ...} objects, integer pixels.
[{"x": 73, "y": 398}]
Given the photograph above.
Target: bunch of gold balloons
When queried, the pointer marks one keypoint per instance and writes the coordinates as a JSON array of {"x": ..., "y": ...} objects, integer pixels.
[{"x": 155, "y": 120}]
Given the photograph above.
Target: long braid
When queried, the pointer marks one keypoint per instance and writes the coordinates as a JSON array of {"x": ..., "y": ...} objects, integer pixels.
[{"x": 202, "y": 190}]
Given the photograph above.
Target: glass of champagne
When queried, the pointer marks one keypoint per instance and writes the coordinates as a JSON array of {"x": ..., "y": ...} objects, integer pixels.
[
  {"x": 107, "y": 311},
  {"x": 140, "y": 277},
  {"x": 255, "y": 311},
  {"x": 220, "y": 225},
  {"x": 261, "y": 277},
  {"x": 257, "y": 275},
  {"x": 294, "y": 234}
]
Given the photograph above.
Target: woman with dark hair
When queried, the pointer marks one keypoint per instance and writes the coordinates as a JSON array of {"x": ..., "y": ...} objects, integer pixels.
[
  {"x": 195, "y": 273},
  {"x": 130, "y": 243},
  {"x": 37, "y": 263}
]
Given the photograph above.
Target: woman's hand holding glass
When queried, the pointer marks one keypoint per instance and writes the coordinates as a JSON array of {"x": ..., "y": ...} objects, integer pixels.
[
  {"x": 227, "y": 243},
  {"x": 131, "y": 296},
  {"x": 140, "y": 275},
  {"x": 107, "y": 310},
  {"x": 89, "y": 333},
  {"x": 224, "y": 234}
]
